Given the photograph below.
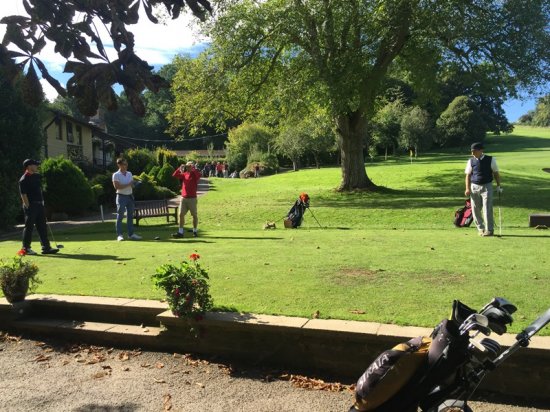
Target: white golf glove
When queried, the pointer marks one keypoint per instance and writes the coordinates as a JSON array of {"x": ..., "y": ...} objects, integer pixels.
[{"x": 499, "y": 189}]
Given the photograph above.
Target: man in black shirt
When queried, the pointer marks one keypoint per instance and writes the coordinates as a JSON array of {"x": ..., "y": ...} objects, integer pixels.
[{"x": 30, "y": 188}]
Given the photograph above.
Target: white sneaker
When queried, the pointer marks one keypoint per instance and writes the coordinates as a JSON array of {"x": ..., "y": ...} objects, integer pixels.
[
  {"x": 135, "y": 237},
  {"x": 120, "y": 238}
]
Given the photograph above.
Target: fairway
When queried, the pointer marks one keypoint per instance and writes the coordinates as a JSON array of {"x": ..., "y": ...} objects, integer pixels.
[{"x": 392, "y": 256}]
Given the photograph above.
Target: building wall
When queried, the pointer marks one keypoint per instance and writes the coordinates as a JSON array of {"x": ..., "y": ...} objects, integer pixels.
[{"x": 70, "y": 139}]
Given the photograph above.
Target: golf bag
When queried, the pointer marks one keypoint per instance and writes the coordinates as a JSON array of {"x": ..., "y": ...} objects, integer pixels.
[
  {"x": 296, "y": 213},
  {"x": 464, "y": 216},
  {"x": 441, "y": 372}
]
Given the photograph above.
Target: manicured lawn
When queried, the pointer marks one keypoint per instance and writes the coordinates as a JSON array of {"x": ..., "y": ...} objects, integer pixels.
[{"x": 393, "y": 256}]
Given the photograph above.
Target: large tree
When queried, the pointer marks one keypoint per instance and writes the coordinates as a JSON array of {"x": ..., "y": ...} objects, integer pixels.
[{"x": 341, "y": 50}]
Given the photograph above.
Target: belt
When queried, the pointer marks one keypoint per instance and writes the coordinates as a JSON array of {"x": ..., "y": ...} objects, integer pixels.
[{"x": 121, "y": 194}]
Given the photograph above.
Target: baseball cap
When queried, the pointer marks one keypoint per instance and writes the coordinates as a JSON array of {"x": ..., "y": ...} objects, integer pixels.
[
  {"x": 30, "y": 162},
  {"x": 477, "y": 146}
]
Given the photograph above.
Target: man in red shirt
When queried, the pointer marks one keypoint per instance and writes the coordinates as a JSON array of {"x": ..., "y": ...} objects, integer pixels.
[{"x": 189, "y": 178}]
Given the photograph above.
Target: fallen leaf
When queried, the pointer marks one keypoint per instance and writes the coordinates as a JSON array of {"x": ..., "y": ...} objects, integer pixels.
[
  {"x": 41, "y": 358},
  {"x": 159, "y": 365},
  {"x": 125, "y": 369},
  {"x": 100, "y": 375},
  {"x": 357, "y": 311},
  {"x": 159, "y": 380},
  {"x": 200, "y": 385},
  {"x": 167, "y": 402},
  {"x": 145, "y": 365}
]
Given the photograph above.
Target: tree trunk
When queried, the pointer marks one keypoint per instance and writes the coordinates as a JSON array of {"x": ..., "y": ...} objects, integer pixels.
[{"x": 351, "y": 130}]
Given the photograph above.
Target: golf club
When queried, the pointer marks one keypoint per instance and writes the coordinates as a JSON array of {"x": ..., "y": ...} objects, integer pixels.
[
  {"x": 499, "y": 217},
  {"x": 51, "y": 233},
  {"x": 311, "y": 211}
]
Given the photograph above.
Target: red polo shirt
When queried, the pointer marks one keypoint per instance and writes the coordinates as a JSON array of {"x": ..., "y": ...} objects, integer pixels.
[{"x": 189, "y": 182}]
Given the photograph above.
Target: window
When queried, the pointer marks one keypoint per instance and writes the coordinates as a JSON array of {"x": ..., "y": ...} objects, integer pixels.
[
  {"x": 58, "y": 125},
  {"x": 70, "y": 137},
  {"x": 79, "y": 135}
]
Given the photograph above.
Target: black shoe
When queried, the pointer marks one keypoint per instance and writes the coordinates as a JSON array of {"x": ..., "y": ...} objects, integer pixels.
[
  {"x": 195, "y": 234},
  {"x": 50, "y": 251},
  {"x": 177, "y": 235}
]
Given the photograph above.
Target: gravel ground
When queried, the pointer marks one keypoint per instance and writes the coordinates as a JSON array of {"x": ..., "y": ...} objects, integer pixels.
[{"x": 54, "y": 376}]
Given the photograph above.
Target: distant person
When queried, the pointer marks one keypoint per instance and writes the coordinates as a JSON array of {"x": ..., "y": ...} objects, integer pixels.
[
  {"x": 480, "y": 171},
  {"x": 189, "y": 178},
  {"x": 256, "y": 170},
  {"x": 30, "y": 189},
  {"x": 124, "y": 183}
]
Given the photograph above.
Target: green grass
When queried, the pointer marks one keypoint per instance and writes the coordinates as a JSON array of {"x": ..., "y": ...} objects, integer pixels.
[{"x": 394, "y": 255}]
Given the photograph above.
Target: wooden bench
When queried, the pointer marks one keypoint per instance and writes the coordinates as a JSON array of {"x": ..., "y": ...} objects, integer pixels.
[{"x": 154, "y": 208}]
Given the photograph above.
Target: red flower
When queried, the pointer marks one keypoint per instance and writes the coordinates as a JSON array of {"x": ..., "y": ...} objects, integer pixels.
[
  {"x": 22, "y": 252},
  {"x": 194, "y": 256}
]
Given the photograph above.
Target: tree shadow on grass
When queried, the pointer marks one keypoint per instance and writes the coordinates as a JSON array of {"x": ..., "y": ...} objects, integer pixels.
[
  {"x": 446, "y": 190},
  {"x": 86, "y": 256}
]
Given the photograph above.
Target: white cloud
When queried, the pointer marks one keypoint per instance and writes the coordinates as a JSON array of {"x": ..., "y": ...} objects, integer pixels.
[
  {"x": 155, "y": 43},
  {"x": 49, "y": 91}
]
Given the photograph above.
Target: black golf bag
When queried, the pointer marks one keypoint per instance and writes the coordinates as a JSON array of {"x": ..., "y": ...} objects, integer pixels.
[
  {"x": 440, "y": 372},
  {"x": 296, "y": 213}
]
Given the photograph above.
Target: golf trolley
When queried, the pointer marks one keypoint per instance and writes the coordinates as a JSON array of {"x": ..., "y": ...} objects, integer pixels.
[{"x": 441, "y": 372}]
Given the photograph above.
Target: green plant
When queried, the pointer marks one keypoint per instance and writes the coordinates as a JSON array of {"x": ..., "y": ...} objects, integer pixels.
[
  {"x": 186, "y": 287},
  {"x": 17, "y": 277},
  {"x": 66, "y": 189}
]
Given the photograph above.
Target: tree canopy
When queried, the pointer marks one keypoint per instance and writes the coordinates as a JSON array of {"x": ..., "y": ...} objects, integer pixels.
[{"x": 71, "y": 26}]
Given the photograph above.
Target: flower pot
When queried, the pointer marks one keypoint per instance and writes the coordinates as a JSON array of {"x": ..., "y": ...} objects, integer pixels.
[{"x": 18, "y": 292}]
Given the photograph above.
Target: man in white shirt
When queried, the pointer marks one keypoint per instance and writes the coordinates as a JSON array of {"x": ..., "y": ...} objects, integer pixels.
[
  {"x": 124, "y": 184},
  {"x": 480, "y": 171}
]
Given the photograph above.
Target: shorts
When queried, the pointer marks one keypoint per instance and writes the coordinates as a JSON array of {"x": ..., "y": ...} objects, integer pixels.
[{"x": 188, "y": 204}]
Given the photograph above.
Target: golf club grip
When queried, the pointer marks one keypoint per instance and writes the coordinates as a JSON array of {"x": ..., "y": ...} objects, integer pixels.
[{"x": 538, "y": 324}]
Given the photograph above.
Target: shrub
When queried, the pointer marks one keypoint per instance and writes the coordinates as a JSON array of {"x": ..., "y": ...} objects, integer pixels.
[
  {"x": 164, "y": 177},
  {"x": 139, "y": 160},
  {"x": 108, "y": 193},
  {"x": 164, "y": 156},
  {"x": 149, "y": 190},
  {"x": 66, "y": 189},
  {"x": 146, "y": 190}
]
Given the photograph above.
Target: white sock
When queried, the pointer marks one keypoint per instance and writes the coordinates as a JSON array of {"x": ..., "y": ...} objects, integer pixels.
[{"x": 180, "y": 230}]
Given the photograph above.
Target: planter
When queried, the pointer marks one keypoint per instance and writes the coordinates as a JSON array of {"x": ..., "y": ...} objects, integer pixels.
[{"x": 17, "y": 292}]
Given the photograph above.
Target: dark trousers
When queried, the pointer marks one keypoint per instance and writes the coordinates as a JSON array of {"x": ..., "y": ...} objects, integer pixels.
[{"x": 35, "y": 215}]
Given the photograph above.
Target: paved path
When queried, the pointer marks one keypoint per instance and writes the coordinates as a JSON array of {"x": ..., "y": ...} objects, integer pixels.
[{"x": 59, "y": 376}]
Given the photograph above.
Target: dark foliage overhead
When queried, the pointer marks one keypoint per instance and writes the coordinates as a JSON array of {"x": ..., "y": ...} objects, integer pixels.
[{"x": 71, "y": 26}]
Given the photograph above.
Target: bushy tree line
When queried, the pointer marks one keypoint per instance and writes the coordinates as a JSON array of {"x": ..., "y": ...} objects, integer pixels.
[{"x": 540, "y": 116}]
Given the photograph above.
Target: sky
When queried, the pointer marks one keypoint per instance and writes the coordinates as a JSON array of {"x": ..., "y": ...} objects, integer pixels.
[{"x": 159, "y": 43}]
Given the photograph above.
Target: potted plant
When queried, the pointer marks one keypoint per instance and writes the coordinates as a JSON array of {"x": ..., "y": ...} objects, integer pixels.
[
  {"x": 186, "y": 287},
  {"x": 17, "y": 277}
]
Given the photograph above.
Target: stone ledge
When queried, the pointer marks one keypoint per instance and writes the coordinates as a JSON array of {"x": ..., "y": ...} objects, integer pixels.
[{"x": 344, "y": 348}]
